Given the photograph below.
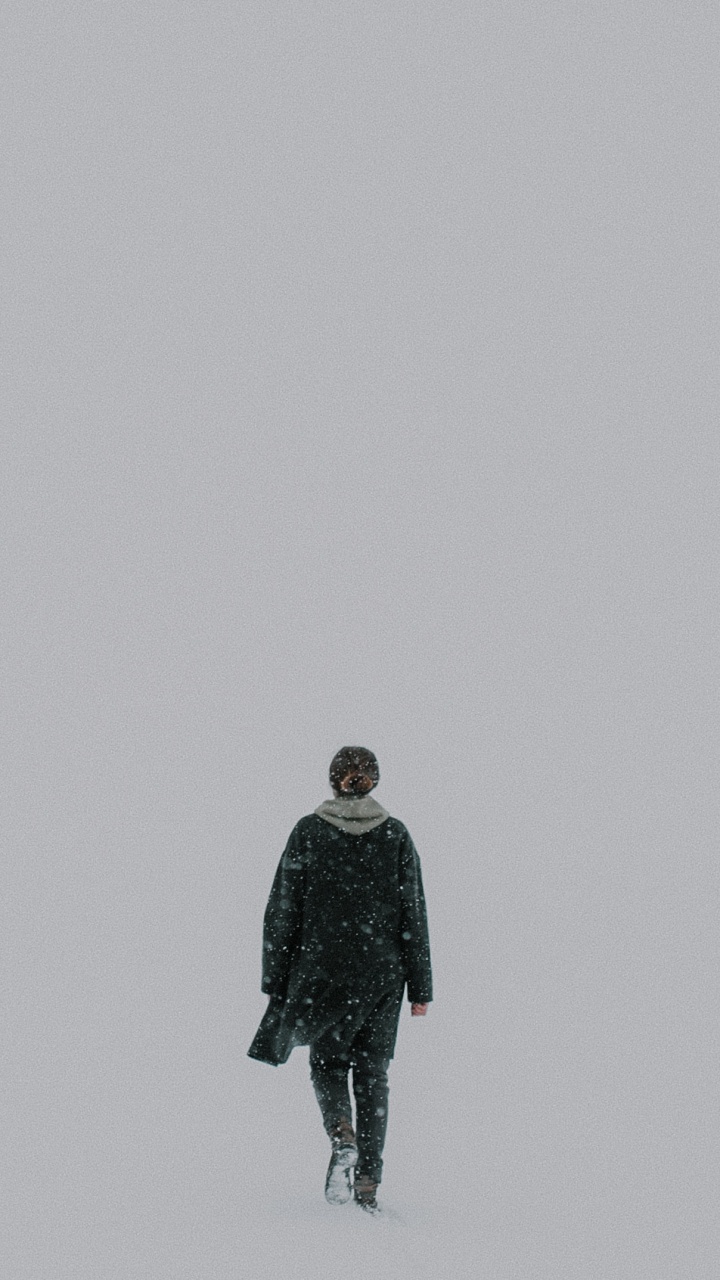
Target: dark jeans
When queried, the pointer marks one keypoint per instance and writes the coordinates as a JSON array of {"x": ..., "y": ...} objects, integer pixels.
[
  {"x": 329, "y": 1074},
  {"x": 368, "y": 1052}
]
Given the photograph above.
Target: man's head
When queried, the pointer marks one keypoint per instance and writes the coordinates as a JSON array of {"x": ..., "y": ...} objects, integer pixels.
[{"x": 354, "y": 771}]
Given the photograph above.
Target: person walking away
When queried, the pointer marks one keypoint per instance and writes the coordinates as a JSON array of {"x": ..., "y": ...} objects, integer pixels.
[{"x": 345, "y": 933}]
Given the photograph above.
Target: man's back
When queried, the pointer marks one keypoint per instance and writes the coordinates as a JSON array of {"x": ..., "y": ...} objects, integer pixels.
[{"x": 347, "y": 910}]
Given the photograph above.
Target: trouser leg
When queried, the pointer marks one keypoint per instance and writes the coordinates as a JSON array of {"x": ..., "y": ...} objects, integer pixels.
[
  {"x": 370, "y": 1086},
  {"x": 329, "y": 1075}
]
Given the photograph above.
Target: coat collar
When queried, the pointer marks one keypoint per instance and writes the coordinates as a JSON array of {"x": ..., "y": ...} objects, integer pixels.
[{"x": 354, "y": 814}]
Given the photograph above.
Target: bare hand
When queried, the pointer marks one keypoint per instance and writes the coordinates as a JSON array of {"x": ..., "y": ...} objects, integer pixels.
[{"x": 418, "y": 1010}]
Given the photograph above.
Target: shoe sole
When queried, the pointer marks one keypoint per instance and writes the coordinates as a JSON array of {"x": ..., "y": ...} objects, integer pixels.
[{"x": 338, "y": 1189}]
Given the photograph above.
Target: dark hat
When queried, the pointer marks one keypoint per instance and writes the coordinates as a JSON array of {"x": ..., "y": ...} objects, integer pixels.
[{"x": 358, "y": 761}]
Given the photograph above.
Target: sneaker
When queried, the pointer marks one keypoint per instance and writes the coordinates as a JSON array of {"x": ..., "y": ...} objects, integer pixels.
[
  {"x": 338, "y": 1187},
  {"x": 366, "y": 1194}
]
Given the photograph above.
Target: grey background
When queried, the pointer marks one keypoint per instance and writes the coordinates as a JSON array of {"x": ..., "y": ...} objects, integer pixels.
[{"x": 360, "y": 377}]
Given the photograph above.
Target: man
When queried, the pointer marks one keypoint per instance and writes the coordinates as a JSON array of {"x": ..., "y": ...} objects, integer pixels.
[{"x": 345, "y": 931}]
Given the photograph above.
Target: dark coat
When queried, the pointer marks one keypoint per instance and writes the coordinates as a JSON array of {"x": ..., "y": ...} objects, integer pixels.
[{"x": 345, "y": 927}]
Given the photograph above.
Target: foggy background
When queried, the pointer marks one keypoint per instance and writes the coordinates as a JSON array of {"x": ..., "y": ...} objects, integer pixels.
[{"x": 360, "y": 378}]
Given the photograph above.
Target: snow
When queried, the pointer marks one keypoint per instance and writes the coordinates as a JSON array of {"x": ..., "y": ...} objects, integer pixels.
[{"x": 360, "y": 385}]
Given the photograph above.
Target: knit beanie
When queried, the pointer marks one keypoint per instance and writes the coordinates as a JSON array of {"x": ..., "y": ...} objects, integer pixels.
[{"x": 359, "y": 762}]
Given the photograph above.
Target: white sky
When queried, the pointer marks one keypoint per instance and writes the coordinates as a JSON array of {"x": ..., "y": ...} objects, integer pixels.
[{"x": 360, "y": 372}]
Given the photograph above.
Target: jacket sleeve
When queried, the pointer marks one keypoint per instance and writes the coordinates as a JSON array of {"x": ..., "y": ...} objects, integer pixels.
[
  {"x": 414, "y": 938},
  {"x": 282, "y": 926}
]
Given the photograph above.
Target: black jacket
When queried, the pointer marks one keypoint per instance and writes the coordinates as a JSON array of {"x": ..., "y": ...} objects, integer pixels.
[{"x": 345, "y": 924}]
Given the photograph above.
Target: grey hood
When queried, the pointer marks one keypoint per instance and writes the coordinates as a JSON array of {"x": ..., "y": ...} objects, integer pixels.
[{"x": 355, "y": 814}]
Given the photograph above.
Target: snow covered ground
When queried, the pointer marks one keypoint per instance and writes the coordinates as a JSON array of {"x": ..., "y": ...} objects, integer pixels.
[
  {"x": 545, "y": 1120},
  {"x": 360, "y": 382}
]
